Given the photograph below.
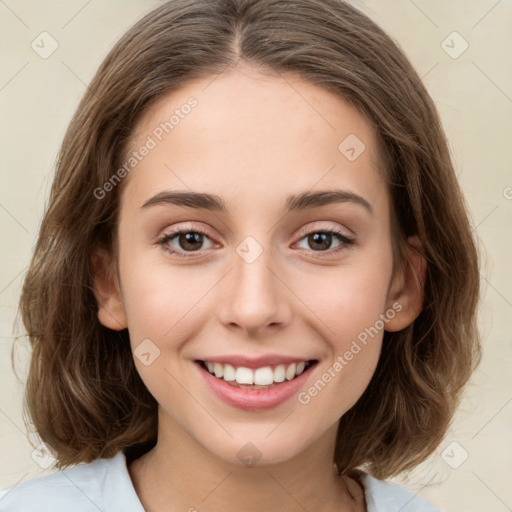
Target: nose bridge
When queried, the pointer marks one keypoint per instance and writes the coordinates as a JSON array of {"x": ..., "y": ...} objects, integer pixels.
[{"x": 255, "y": 297}]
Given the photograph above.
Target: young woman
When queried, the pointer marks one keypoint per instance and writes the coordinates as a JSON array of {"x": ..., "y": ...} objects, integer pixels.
[{"x": 255, "y": 282}]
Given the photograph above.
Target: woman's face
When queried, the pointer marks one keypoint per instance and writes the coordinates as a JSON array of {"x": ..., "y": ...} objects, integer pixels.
[{"x": 258, "y": 276}]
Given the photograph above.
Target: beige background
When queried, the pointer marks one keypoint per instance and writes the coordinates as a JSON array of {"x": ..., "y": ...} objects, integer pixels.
[{"x": 474, "y": 96}]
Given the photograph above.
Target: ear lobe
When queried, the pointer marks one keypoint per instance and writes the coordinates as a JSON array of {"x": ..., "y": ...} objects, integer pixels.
[
  {"x": 407, "y": 287},
  {"x": 111, "y": 312}
]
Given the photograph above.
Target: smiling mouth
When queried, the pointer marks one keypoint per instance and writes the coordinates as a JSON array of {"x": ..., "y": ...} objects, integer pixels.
[{"x": 266, "y": 377}]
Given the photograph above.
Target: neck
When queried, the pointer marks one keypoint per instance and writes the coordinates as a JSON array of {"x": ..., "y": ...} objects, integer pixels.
[{"x": 180, "y": 473}]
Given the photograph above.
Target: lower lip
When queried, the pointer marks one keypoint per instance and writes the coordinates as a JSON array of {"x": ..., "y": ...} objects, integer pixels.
[{"x": 254, "y": 399}]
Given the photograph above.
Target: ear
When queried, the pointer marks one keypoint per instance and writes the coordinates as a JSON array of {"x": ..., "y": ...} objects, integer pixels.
[
  {"x": 111, "y": 312},
  {"x": 407, "y": 288}
]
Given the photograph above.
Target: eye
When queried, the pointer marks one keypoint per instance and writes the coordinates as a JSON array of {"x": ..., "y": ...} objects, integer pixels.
[
  {"x": 188, "y": 239},
  {"x": 321, "y": 240}
]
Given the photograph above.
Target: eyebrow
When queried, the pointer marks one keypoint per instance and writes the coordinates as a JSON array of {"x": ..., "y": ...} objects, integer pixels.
[{"x": 303, "y": 201}]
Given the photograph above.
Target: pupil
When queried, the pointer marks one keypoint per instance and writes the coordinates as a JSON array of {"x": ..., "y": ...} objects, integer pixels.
[
  {"x": 321, "y": 237},
  {"x": 192, "y": 238}
]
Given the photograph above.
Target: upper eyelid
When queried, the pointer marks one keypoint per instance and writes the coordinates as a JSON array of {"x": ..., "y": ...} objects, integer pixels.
[
  {"x": 305, "y": 231},
  {"x": 302, "y": 232}
]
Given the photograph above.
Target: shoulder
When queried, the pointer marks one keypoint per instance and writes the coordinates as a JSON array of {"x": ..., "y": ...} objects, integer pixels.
[
  {"x": 382, "y": 496},
  {"x": 100, "y": 485}
]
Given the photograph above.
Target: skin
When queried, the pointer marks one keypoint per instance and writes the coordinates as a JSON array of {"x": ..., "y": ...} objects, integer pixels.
[{"x": 253, "y": 139}]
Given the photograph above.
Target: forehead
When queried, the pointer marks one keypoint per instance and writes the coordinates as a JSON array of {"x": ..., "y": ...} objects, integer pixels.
[{"x": 265, "y": 134}]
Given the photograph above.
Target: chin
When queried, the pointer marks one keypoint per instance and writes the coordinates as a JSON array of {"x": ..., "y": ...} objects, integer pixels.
[{"x": 257, "y": 450}]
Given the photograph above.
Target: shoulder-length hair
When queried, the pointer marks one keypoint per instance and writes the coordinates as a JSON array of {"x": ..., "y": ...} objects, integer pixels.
[{"x": 83, "y": 393}]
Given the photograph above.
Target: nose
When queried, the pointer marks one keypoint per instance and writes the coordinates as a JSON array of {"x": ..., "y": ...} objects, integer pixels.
[{"x": 254, "y": 298}]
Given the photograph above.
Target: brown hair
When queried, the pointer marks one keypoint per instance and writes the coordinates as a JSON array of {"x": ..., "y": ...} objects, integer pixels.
[{"x": 83, "y": 392}]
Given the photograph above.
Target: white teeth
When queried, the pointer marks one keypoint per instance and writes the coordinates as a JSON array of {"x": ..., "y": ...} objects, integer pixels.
[
  {"x": 264, "y": 376},
  {"x": 229, "y": 372},
  {"x": 279, "y": 373},
  {"x": 218, "y": 369},
  {"x": 244, "y": 375},
  {"x": 290, "y": 372}
]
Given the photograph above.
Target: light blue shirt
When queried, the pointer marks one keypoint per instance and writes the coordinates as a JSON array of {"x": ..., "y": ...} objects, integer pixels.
[{"x": 105, "y": 486}]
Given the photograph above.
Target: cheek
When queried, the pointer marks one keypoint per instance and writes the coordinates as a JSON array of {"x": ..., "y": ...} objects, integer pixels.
[
  {"x": 347, "y": 317},
  {"x": 346, "y": 300},
  {"x": 165, "y": 303},
  {"x": 346, "y": 307}
]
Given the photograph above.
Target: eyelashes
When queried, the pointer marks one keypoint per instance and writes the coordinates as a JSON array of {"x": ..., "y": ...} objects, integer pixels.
[{"x": 327, "y": 235}]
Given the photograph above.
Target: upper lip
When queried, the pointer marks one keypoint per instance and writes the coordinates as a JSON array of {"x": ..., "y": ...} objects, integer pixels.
[{"x": 255, "y": 362}]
